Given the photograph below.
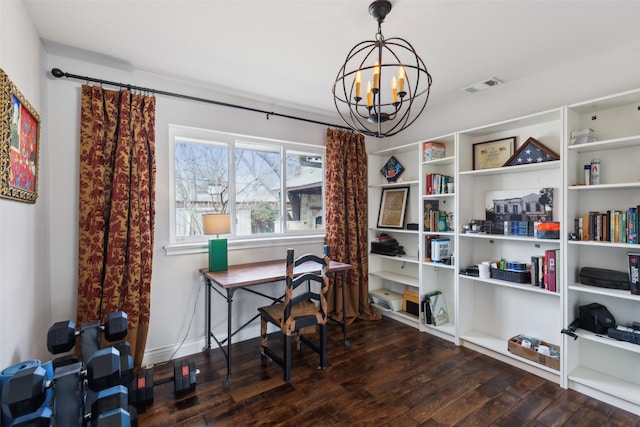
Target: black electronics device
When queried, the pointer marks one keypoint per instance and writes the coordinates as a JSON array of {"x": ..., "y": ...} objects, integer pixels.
[
  {"x": 596, "y": 318},
  {"x": 604, "y": 278},
  {"x": 387, "y": 246}
]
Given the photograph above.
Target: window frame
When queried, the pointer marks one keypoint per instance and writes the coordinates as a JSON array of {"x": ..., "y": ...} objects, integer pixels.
[{"x": 194, "y": 243}]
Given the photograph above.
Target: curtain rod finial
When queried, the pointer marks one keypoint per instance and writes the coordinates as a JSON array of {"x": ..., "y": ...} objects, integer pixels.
[{"x": 57, "y": 72}]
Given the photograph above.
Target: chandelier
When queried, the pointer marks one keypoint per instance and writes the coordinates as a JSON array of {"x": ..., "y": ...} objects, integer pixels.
[{"x": 395, "y": 79}]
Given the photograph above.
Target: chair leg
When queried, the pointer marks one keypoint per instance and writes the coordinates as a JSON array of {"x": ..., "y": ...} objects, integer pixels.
[
  {"x": 287, "y": 358},
  {"x": 264, "y": 341},
  {"x": 323, "y": 346}
]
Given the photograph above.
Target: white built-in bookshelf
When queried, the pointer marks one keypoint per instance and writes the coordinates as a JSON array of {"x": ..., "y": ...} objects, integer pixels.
[{"x": 484, "y": 313}]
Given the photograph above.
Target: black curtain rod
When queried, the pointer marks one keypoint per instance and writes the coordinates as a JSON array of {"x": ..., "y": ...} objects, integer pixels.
[{"x": 57, "y": 72}]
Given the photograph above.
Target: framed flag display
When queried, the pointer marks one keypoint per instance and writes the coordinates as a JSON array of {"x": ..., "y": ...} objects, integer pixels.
[{"x": 532, "y": 151}]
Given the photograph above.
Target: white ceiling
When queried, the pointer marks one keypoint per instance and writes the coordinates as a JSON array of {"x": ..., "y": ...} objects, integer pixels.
[{"x": 289, "y": 52}]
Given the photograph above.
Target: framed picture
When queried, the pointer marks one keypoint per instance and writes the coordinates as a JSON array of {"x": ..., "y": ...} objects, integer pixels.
[
  {"x": 393, "y": 205},
  {"x": 19, "y": 144},
  {"x": 493, "y": 154}
]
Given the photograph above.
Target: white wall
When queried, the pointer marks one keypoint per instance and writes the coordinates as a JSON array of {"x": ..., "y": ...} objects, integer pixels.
[
  {"x": 24, "y": 267},
  {"x": 606, "y": 73},
  {"x": 176, "y": 282}
]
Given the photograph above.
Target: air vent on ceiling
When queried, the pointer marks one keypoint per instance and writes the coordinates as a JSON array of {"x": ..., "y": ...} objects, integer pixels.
[{"x": 482, "y": 85}]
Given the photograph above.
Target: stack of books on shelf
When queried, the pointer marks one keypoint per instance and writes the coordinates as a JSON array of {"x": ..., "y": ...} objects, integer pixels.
[
  {"x": 545, "y": 270},
  {"x": 437, "y": 183},
  {"x": 616, "y": 226}
]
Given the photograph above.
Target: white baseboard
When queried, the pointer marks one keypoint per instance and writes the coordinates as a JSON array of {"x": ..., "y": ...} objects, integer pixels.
[{"x": 163, "y": 354}]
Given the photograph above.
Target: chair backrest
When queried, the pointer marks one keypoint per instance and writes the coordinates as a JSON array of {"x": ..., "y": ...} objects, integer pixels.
[{"x": 317, "y": 271}]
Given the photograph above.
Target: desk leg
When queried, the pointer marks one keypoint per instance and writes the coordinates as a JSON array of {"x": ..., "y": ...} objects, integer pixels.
[
  {"x": 207, "y": 315},
  {"x": 343, "y": 278},
  {"x": 227, "y": 381}
]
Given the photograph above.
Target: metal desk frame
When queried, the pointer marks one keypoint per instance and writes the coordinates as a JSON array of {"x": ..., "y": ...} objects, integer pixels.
[{"x": 243, "y": 276}]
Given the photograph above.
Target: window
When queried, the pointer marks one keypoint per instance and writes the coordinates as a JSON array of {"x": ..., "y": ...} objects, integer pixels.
[{"x": 271, "y": 188}]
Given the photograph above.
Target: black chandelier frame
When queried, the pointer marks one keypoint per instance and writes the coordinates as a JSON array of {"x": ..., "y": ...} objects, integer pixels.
[{"x": 383, "y": 118}]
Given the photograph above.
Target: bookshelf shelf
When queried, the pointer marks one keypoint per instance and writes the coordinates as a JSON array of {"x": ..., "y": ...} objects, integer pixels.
[{"x": 525, "y": 287}]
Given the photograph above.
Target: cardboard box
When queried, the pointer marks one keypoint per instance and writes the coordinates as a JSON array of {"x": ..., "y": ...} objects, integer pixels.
[
  {"x": 411, "y": 302},
  {"x": 528, "y": 353}
]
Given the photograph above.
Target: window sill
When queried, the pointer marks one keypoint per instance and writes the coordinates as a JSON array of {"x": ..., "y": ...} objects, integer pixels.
[{"x": 235, "y": 245}]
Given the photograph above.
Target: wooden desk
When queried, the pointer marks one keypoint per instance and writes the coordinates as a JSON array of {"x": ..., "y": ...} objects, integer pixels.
[{"x": 244, "y": 276}]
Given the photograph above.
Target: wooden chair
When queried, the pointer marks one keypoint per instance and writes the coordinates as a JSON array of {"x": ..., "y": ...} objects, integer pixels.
[{"x": 299, "y": 314}]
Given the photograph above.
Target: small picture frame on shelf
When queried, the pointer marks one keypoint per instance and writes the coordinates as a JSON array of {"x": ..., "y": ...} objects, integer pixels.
[
  {"x": 393, "y": 206},
  {"x": 494, "y": 153}
]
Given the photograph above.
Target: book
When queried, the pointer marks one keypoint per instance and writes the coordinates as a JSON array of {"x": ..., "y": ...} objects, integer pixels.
[
  {"x": 634, "y": 268},
  {"x": 558, "y": 271},
  {"x": 429, "y": 206},
  {"x": 541, "y": 271},
  {"x": 533, "y": 269},
  {"x": 632, "y": 226},
  {"x": 550, "y": 270}
]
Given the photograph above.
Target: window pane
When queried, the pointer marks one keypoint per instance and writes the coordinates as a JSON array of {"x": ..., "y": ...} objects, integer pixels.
[
  {"x": 304, "y": 191},
  {"x": 258, "y": 190},
  {"x": 202, "y": 184}
]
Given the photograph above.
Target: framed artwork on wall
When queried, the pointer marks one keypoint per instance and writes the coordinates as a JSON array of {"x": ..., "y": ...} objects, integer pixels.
[
  {"x": 393, "y": 205},
  {"x": 19, "y": 144}
]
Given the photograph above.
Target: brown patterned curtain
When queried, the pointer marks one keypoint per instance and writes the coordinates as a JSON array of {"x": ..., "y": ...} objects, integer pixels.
[
  {"x": 346, "y": 221},
  {"x": 117, "y": 209}
]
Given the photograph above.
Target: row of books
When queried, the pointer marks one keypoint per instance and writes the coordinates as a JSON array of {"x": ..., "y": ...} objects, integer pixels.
[
  {"x": 436, "y": 183},
  {"x": 545, "y": 270},
  {"x": 617, "y": 226},
  {"x": 436, "y": 221}
]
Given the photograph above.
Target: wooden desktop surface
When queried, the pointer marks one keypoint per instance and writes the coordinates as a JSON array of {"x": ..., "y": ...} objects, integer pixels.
[{"x": 256, "y": 273}]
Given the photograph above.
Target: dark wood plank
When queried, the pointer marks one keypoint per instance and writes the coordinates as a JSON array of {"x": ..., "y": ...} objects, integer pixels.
[{"x": 391, "y": 375}]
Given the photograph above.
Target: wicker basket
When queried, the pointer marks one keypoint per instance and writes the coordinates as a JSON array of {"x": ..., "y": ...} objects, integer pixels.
[{"x": 511, "y": 275}]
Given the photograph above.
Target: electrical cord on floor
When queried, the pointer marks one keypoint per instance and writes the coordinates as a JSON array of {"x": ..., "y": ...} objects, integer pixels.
[{"x": 193, "y": 314}]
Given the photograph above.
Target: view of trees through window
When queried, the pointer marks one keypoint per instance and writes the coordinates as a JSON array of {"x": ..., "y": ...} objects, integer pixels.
[{"x": 245, "y": 179}]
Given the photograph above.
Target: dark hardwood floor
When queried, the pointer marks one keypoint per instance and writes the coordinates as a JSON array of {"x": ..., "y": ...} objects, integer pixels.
[{"x": 391, "y": 375}]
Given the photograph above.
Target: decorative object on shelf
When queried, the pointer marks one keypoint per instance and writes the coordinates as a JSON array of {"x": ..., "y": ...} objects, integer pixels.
[
  {"x": 392, "y": 169},
  {"x": 535, "y": 205},
  {"x": 393, "y": 206},
  {"x": 19, "y": 144},
  {"x": 494, "y": 153},
  {"x": 548, "y": 230},
  {"x": 582, "y": 136},
  {"x": 397, "y": 91},
  {"x": 532, "y": 151},
  {"x": 433, "y": 151},
  {"x": 217, "y": 223}
]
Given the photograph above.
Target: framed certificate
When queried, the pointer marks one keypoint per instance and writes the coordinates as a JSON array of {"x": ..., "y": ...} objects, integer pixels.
[
  {"x": 493, "y": 154},
  {"x": 393, "y": 205}
]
